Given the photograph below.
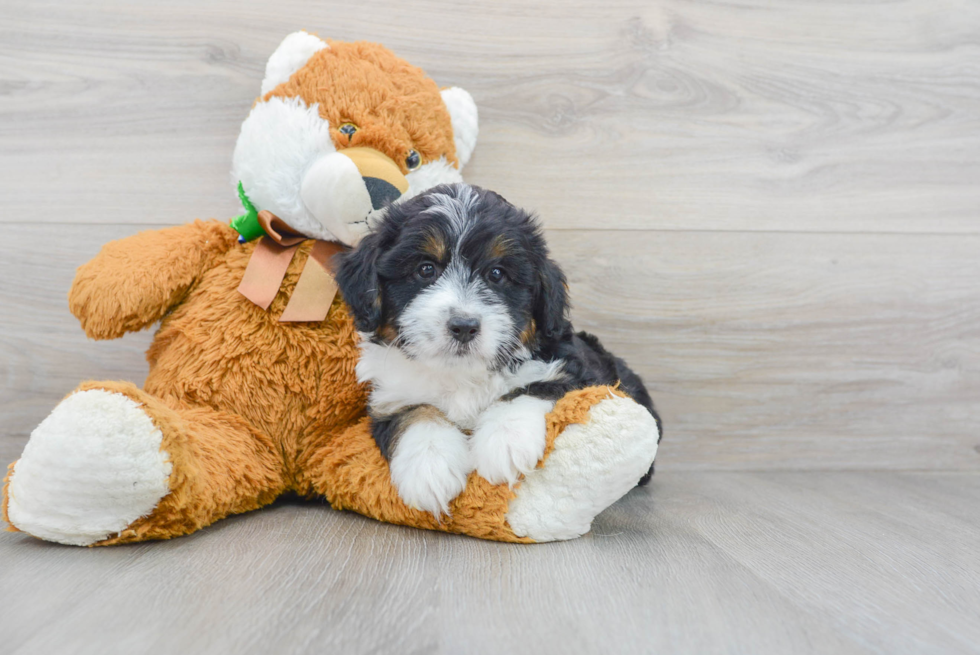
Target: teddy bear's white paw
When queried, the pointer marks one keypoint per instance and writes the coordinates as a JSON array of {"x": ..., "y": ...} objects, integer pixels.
[
  {"x": 509, "y": 439},
  {"x": 90, "y": 469},
  {"x": 430, "y": 465},
  {"x": 592, "y": 465}
]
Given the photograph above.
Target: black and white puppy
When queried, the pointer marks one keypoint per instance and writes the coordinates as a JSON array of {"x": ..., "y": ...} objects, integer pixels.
[{"x": 465, "y": 341}]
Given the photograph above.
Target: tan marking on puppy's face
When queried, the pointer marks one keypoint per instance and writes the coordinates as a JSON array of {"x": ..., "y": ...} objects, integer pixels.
[
  {"x": 500, "y": 247},
  {"x": 527, "y": 335},
  {"x": 435, "y": 247}
]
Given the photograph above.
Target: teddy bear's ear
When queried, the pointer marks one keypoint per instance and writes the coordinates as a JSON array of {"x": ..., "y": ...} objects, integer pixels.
[
  {"x": 462, "y": 111},
  {"x": 291, "y": 55}
]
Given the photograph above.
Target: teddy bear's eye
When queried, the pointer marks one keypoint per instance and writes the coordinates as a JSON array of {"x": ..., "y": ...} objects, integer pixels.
[
  {"x": 413, "y": 161},
  {"x": 347, "y": 129}
]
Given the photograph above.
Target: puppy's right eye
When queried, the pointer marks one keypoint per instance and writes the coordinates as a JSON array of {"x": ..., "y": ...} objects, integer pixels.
[
  {"x": 495, "y": 274},
  {"x": 426, "y": 270}
]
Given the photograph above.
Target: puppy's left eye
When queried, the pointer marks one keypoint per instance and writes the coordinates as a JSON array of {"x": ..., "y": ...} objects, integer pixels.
[
  {"x": 426, "y": 270},
  {"x": 495, "y": 274}
]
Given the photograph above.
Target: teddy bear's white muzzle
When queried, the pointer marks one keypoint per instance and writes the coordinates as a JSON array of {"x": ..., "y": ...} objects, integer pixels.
[{"x": 340, "y": 189}]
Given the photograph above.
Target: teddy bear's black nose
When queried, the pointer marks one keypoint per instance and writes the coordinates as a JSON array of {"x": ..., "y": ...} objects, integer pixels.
[{"x": 382, "y": 193}]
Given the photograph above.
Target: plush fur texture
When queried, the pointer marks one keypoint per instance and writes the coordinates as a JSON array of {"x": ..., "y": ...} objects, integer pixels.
[
  {"x": 395, "y": 106},
  {"x": 239, "y": 408},
  {"x": 612, "y": 449},
  {"x": 465, "y": 126},
  {"x": 279, "y": 142},
  {"x": 241, "y": 424},
  {"x": 99, "y": 458},
  {"x": 291, "y": 55},
  {"x": 354, "y": 470},
  {"x": 248, "y": 407},
  {"x": 317, "y": 101},
  {"x": 332, "y": 189}
]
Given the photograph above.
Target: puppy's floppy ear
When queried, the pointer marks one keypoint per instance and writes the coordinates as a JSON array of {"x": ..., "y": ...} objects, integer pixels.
[
  {"x": 551, "y": 301},
  {"x": 358, "y": 280}
]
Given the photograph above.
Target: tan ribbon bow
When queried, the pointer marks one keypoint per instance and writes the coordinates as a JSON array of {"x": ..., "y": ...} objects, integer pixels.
[{"x": 316, "y": 288}]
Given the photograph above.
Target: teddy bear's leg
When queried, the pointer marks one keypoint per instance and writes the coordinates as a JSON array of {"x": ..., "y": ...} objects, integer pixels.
[
  {"x": 604, "y": 451},
  {"x": 114, "y": 464},
  {"x": 599, "y": 445}
]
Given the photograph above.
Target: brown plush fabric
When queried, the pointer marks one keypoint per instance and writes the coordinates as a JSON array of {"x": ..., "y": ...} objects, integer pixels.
[
  {"x": 394, "y": 105},
  {"x": 5, "y": 500},
  {"x": 250, "y": 407},
  {"x": 351, "y": 473},
  {"x": 221, "y": 466},
  {"x": 149, "y": 273}
]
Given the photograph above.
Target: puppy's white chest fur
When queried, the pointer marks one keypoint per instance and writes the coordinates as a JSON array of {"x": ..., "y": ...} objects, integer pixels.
[{"x": 461, "y": 392}]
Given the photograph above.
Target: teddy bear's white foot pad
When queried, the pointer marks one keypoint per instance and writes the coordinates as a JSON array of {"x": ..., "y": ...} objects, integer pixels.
[
  {"x": 90, "y": 469},
  {"x": 592, "y": 465}
]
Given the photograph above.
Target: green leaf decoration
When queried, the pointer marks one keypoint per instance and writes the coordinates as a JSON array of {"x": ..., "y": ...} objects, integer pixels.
[{"x": 247, "y": 225}]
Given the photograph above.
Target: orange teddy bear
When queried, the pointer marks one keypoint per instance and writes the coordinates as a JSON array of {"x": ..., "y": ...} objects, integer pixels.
[{"x": 251, "y": 391}]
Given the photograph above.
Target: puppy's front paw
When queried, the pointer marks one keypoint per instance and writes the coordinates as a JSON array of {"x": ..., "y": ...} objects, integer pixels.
[
  {"x": 509, "y": 439},
  {"x": 429, "y": 466}
]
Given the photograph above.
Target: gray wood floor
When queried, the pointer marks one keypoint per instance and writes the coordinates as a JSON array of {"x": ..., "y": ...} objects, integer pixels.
[
  {"x": 740, "y": 562},
  {"x": 771, "y": 209}
]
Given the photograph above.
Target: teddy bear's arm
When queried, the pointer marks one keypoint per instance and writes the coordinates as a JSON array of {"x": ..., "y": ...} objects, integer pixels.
[{"x": 132, "y": 282}]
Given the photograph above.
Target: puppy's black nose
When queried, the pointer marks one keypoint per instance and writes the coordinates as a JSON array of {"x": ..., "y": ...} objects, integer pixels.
[{"x": 464, "y": 328}]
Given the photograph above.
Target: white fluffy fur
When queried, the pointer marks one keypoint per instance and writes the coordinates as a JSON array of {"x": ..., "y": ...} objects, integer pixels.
[
  {"x": 462, "y": 111},
  {"x": 287, "y": 162},
  {"x": 461, "y": 392},
  {"x": 429, "y": 175},
  {"x": 430, "y": 465},
  {"x": 284, "y": 148},
  {"x": 334, "y": 192},
  {"x": 279, "y": 142},
  {"x": 291, "y": 55},
  {"x": 457, "y": 207},
  {"x": 422, "y": 324},
  {"x": 611, "y": 451},
  {"x": 90, "y": 469},
  {"x": 509, "y": 439}
]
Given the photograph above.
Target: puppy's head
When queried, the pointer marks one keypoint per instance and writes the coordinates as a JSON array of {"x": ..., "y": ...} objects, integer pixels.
[{"x": 457, "y": 276}]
